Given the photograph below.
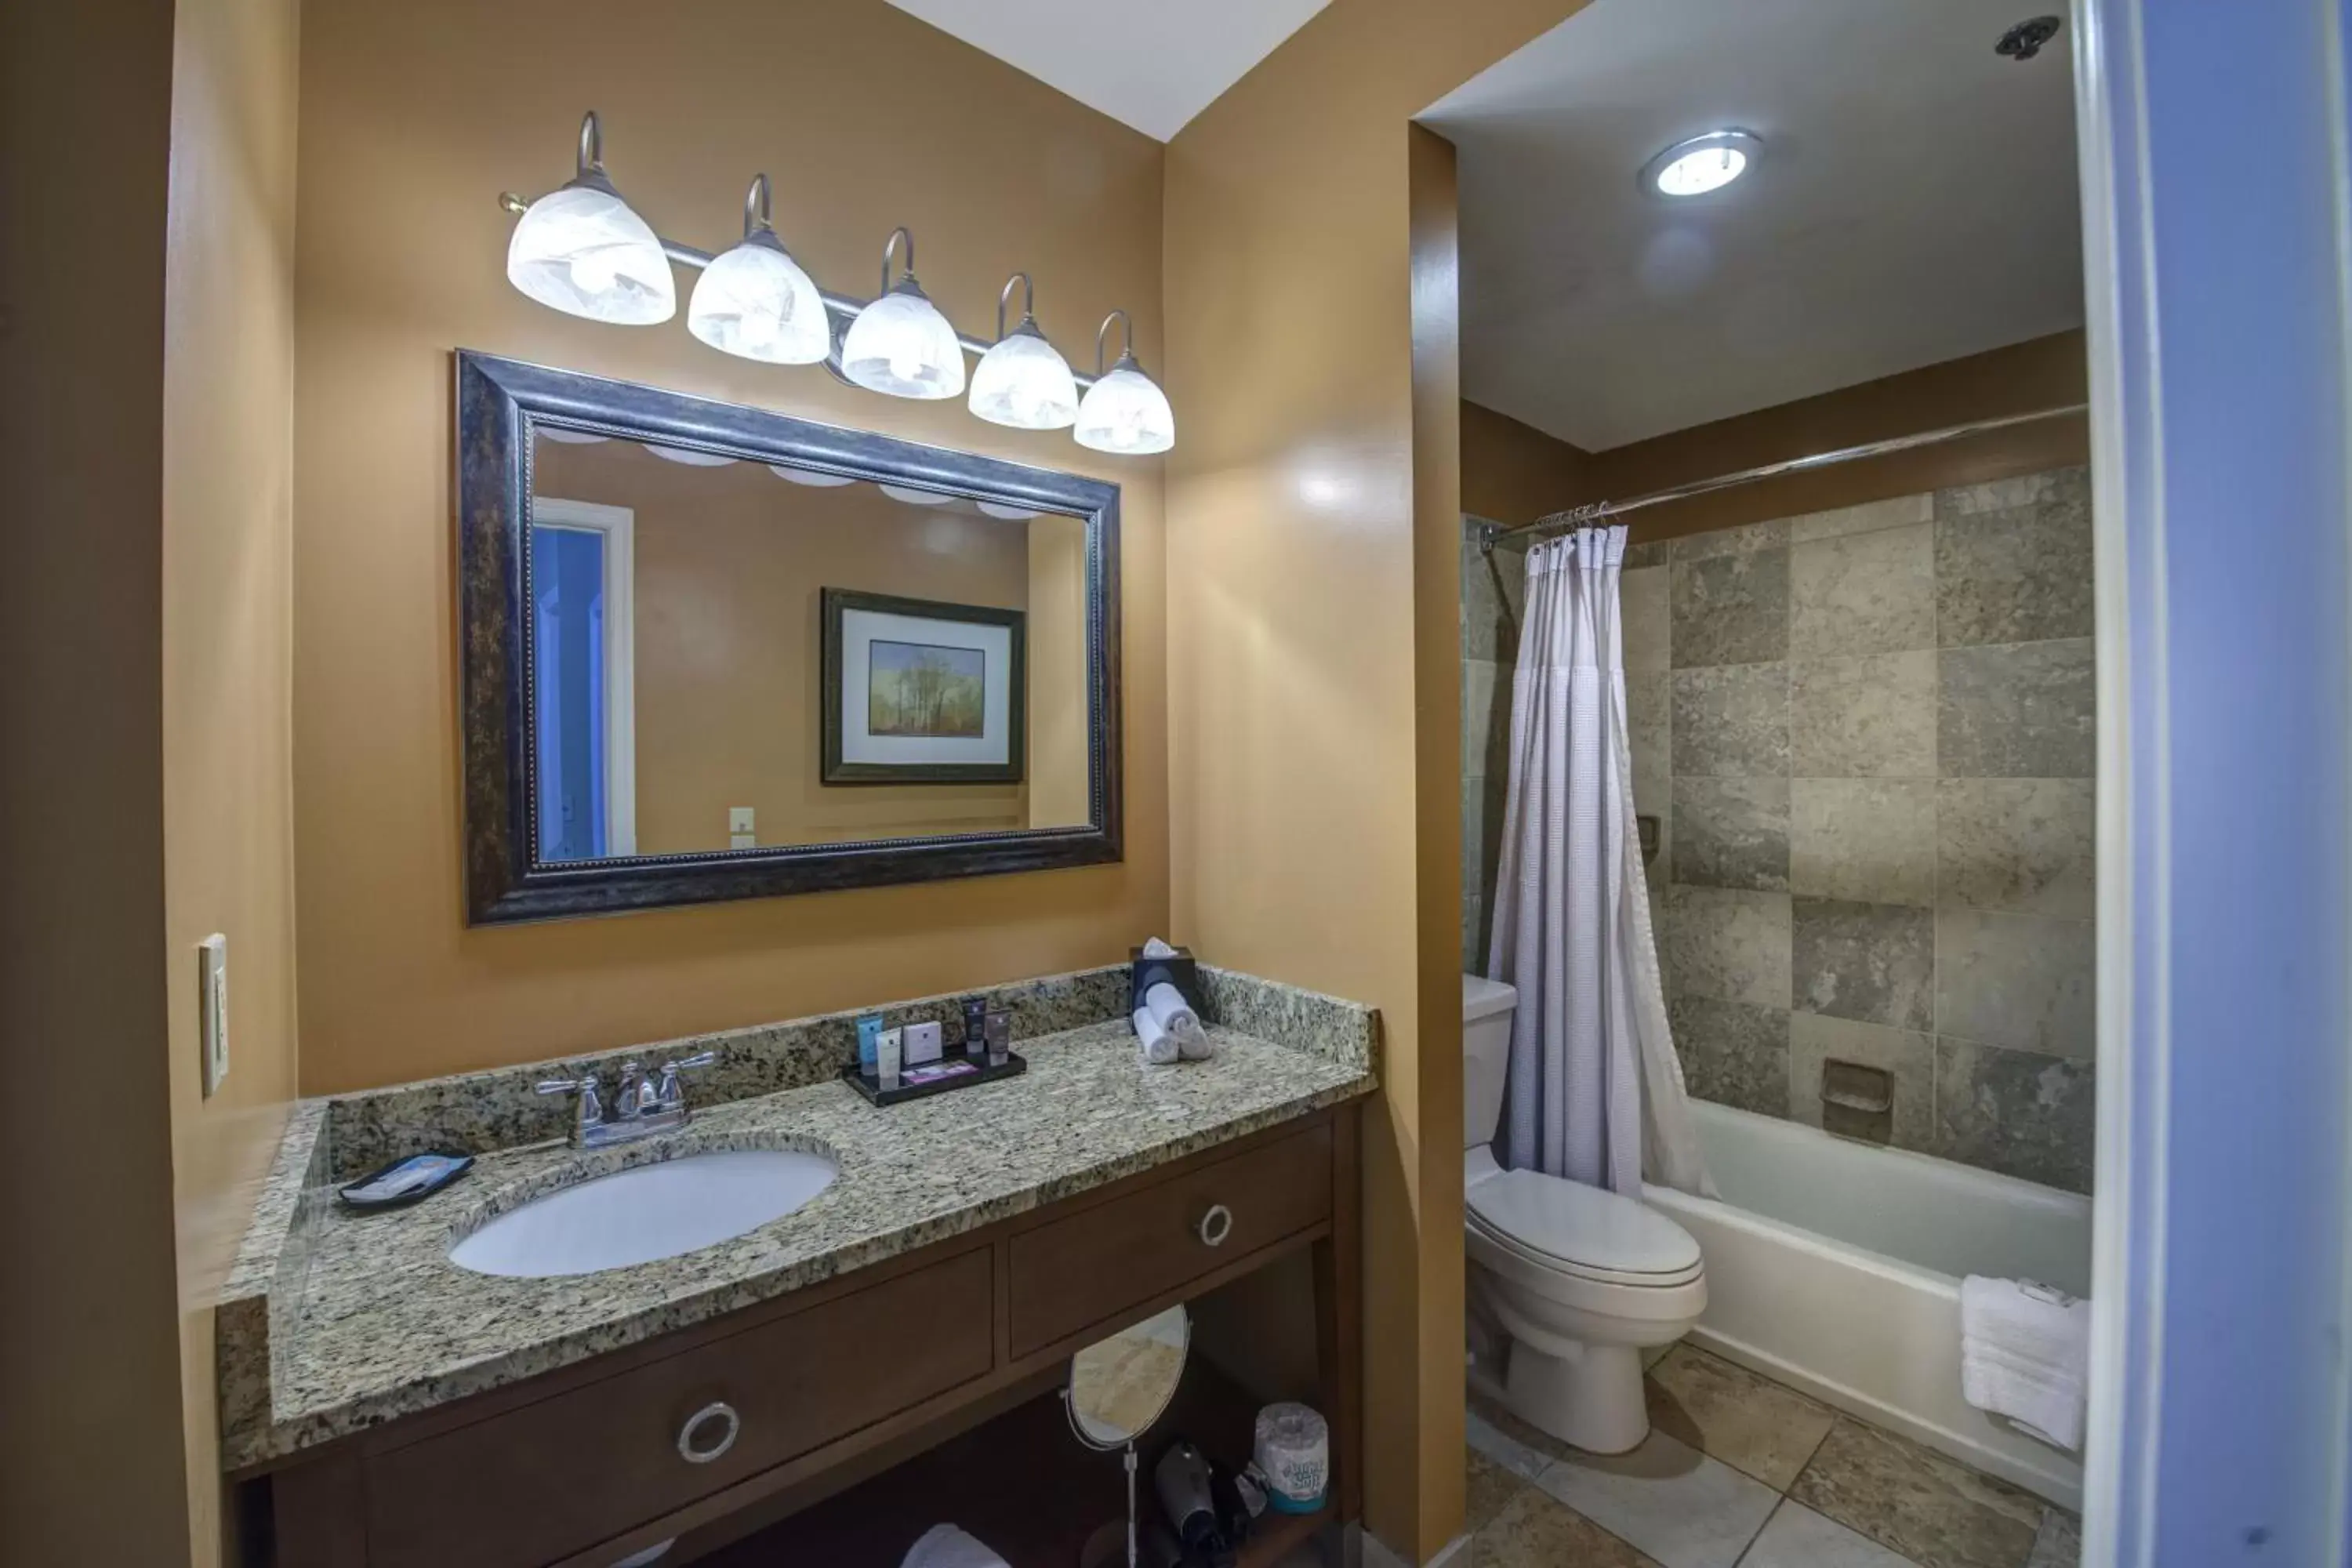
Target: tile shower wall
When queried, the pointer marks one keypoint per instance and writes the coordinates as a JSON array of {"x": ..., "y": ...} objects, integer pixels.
[
  {"x": 1494, "y": 588},
  {"x": 1868, "y": 735}
]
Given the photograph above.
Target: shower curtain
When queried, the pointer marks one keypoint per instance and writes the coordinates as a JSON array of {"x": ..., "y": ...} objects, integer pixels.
[{"x": 1595, "y": 1092}]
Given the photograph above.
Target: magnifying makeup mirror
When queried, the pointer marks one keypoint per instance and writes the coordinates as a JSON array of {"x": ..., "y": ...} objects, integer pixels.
[{"x": 1120, "y": 1386}]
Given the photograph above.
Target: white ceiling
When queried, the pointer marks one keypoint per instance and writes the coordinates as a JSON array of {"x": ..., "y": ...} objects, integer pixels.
[
  {"x": 1915, "y": 202},
  {"x": 1152, "y": 64}
]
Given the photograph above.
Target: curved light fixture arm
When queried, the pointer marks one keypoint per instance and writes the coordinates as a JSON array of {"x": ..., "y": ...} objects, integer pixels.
[
  {"x": 1004, "y": 297},
  {"x": 900, "y": 239},
  {"x": 1126, "y": 339},
  {"x": 591, "y": 145},
  {"x": 757, "y": 215}
]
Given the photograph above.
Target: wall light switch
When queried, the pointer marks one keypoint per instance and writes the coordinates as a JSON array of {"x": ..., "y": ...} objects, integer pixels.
[
  {"x": 211, "y": 1008},
  {"x": 740, "y": 833}
]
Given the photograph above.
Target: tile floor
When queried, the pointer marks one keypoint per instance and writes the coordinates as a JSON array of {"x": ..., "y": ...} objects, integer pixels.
[{"x": 1741, "y": 1472}]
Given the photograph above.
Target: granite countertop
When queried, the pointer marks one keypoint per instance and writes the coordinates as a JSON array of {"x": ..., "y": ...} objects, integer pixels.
[{"x": 336, "y": 1321}]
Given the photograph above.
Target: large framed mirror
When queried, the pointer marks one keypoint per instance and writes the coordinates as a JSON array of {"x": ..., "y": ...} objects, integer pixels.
[{"x": 713, "y": 652}]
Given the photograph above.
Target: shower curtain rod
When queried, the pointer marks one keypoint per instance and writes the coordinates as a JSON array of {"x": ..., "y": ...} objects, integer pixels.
[{"x": 1593, "y": 512}]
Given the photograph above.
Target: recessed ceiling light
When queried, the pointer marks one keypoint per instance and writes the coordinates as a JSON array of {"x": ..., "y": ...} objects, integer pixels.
[{"x": 1701, "y": 164}]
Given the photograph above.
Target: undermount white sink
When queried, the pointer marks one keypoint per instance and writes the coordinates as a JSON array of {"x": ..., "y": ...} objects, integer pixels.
[{"x": 644, "y": 1212}]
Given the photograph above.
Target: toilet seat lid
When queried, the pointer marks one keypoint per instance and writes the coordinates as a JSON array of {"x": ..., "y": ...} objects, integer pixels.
[{"x": 1582, "y": 1228}]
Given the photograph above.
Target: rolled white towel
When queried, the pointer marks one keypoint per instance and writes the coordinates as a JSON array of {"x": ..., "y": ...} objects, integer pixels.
[
  {"x": 945, "y": 1546},
  {"x": 1156, "y": 948},
  {"x": 1155, "y": 1045},
  {"x": 2048, "y": 1407},
  {"x": 1176, "y": 1016}
]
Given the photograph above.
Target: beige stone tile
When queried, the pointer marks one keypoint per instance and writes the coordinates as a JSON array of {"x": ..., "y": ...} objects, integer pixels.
[
  {"x": 1732, "y": 721},
  {"x": 1649, "y": 727},
  {"x": 1667, "y": 1498},
  {"x": 2060, "y": 1542},
  {"x": 1735, "y": 833},
  {"x": 2028, "y": 710},
  {"x": 2026, "y": 846},
  {"x": 1914, "y": 1501},
  {"x": 1645, "y": 619},
  {"x": 2025, "y": 982},
  {"x": 1870, "y": 839},
  {"x": 1895, "y": 511},
  {"x": 1872, "y": 963},
  {"x": 1489, "y": 1489},
  {"x": 1750, "y": 1423},
  {"x": 1731, "y": 1053},
  {"x": 2019, "y": 1112},
  {"x": 1731, "y": 609},
  {"x": 1797, "y": 1537},
  {"x": 1869, "y": 717},
  {"x": 1535, "y": 1530},
  {"x": 1754, "y": 536},
  {"x": 1730, "y": 945},
  {"x": 1508, "y": 1441},
  {"x": 1866, "y": 592},
  {"x": 1486, "y": 718},
  {"x": 1905, "y": 1054}
]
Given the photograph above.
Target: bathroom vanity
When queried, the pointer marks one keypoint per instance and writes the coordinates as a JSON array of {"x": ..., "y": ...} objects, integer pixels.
[{"x": 384, "y": 1405}]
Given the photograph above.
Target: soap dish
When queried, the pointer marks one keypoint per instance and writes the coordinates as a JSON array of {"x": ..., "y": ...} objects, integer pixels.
[{"x": 935, "y": 1078}]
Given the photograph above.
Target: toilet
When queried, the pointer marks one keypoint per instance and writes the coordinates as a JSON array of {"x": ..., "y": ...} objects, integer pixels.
[{"x": 1580, "y": 1280}]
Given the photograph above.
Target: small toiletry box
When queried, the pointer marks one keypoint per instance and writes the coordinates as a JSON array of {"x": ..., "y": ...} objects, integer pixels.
[{"x": 1178, "y": 971}]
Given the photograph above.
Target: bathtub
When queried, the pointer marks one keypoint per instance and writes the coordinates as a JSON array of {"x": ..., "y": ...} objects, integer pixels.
[{"x": 1835, "y": 1268}]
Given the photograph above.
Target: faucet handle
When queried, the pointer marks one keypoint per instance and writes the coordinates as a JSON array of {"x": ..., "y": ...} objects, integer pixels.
[
  {"x": 592, "y": 1105},
  {"x": 671, "y": 1097}
]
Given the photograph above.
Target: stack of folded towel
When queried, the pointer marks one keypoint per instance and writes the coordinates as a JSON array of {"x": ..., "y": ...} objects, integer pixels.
[
  {"x": 2025, "y": 1353},
  {"x": 1166, "y": 1027}
]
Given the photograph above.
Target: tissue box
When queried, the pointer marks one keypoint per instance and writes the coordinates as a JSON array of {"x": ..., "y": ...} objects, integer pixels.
[{"x": 1179, "y": 971}]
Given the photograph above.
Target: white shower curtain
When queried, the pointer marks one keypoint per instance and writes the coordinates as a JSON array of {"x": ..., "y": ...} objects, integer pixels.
[{"x": 1595, "y": 1092}]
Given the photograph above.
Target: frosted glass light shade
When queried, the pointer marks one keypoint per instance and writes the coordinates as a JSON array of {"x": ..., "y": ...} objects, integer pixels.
[
  {"x": 693, "y": 457},
  {"x": 580, "y": 250},
  {"x": 754, "y": 301},
  {"x": 913, "y": 496},
  {"x": 902, "y": 345},
  {"x": 1023, "y": 383},
  {"x": 814, "y": 478},
  {"x": 1125, "y": 413}
]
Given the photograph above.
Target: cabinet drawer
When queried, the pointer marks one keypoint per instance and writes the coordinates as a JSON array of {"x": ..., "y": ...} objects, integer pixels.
[
  {"x": 1070, "y": 1273},
  {"x": 535, "y": 1483}
]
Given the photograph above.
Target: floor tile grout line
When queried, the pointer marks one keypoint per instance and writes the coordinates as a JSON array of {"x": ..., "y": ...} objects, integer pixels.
[{"x": 1746, "y": 1550}]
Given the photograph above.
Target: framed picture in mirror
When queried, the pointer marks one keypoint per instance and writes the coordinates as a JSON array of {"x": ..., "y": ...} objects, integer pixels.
[
  {"x": 685, "y": 626},
  {"x": 917, "y": 691}
]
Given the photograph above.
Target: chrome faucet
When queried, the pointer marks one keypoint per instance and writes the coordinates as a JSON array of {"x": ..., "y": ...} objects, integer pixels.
[{"x": 642, "y": 1107}]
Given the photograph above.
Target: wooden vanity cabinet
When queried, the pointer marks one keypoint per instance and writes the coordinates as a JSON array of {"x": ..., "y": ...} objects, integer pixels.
[{"x": 586, "y": 1464}]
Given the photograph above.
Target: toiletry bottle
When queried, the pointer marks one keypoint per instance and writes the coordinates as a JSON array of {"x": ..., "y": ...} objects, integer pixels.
[
  {"x": 998, "y": 1030},
  {"x": 975, "y": 1026},
  {"x": 870, "y": 1031},
  {"x": 886, "y": 1054}
]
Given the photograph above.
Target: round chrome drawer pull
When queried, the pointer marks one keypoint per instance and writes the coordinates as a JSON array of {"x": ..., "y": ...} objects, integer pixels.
[
  {"x": 694, "y": 1453},
  {"x": 1216, "y": 1225}
]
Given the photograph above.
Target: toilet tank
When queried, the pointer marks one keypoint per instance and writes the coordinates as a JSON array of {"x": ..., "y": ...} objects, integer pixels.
[{"x": 1487, "y": 1006}]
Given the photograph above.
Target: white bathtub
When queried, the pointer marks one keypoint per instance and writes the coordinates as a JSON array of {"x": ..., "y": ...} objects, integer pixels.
[{"x": 1835, "y": 1268}]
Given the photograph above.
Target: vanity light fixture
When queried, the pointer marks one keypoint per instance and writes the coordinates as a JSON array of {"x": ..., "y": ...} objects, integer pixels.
[
  {"x": 813, "y": 478},
  {"x": 914, "y": 496},
  {"x": 1022, "y": 381},
  {"x": 1702, "y": 163},
  {"x": 754, "y": 301},
  {"x": 583, "y": 251},
  {"x": 1009, "y": 513},
  {"x": 1124, "y": 412},
  {"x": 900, "y": 343},
  {"x": 692, "y": 458},
  {"x": 566, "y": 435}
]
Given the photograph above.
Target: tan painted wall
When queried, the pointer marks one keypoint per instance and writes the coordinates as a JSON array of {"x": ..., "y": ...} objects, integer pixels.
[
  {"x": 413, "y": 118},
  {"x": 227, "y": 620},
  {"x": 729, "y": 565},
  {"x": 2041, "y": 372},
  {"x": 1301, "y": 594},
  {"x": 94, "y": 1468},
  {"x": 1514, "y": 473}
]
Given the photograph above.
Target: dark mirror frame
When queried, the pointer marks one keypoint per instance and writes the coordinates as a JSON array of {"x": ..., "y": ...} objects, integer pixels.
[{"x": 499, "y": 402}]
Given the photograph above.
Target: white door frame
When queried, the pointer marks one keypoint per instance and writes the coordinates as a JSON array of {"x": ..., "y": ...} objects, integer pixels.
[
  {"x": 618, "y": 524},
  {"x": 2213, "y": 158}
]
